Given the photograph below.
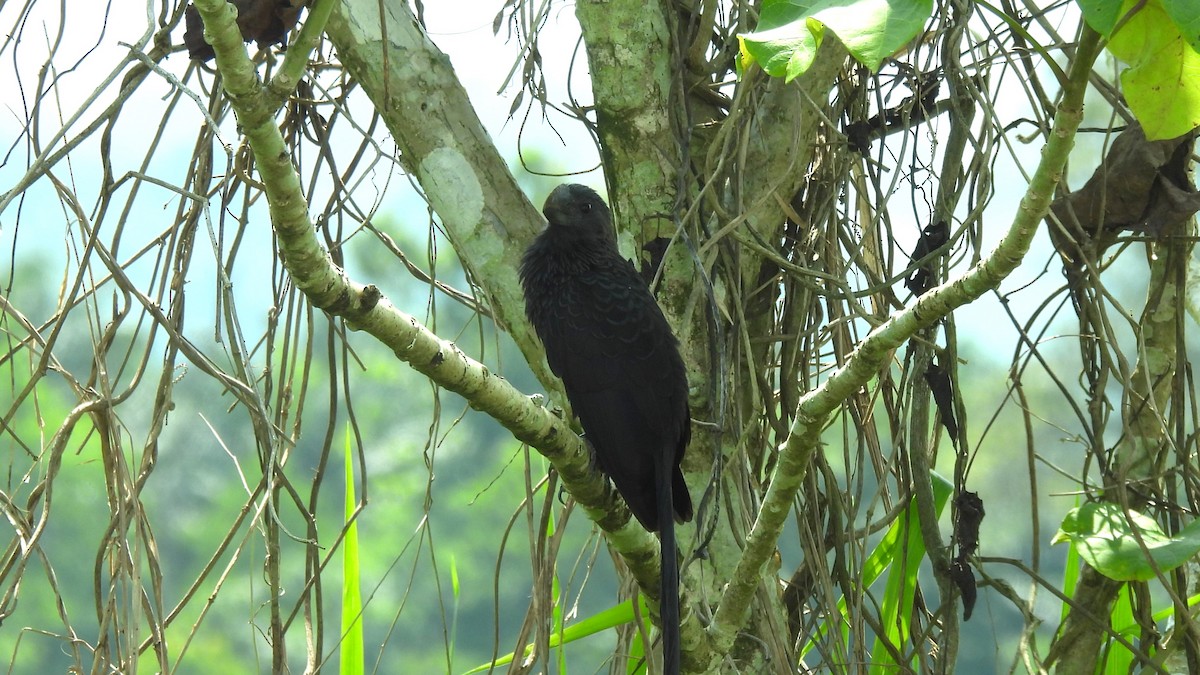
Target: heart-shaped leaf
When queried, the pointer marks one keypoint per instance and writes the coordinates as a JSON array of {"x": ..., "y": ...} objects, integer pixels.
[
  {"x": 1104, "y": 536},
  {"x": 790, "y": 31}
]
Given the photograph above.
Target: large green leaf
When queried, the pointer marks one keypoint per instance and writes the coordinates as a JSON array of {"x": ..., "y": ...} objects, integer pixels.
[
  {"x": 1101, "y": 15},
  {"x": 1185, "y": 14},
  {"x": 1104, "y": 536},
  {"x": 790, "y": 31},
  {"x": 1162, "y": 83}
]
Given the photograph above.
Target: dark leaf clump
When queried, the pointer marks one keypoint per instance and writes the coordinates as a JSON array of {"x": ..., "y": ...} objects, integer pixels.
[
  {"x": 968, "y": 516},
  {"x": 942, "y": 389},
  {"x": 1142, "y": 187},
  {"x": 932, "y": 238}
]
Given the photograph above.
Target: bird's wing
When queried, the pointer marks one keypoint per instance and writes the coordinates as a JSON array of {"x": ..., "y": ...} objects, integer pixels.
[
  {"x": 611, "y": 335},
  {"x": 616, "y": 355}
]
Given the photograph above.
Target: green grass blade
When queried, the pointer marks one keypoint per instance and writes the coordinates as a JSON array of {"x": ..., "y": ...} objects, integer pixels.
[
  {"x": 351, "y": 656},
  {"x": 903, "y": 535},
  {"x": 1117, "y": 658},
  {"x": 556, "y": 610},
  {"x": 902, "y": 549},
  {"x": 637, "y": 656},
  {"x": 597, "y": 623}
]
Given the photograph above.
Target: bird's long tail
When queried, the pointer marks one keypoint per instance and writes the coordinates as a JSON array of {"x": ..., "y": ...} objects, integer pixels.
[{"x": 668, "y": 602}]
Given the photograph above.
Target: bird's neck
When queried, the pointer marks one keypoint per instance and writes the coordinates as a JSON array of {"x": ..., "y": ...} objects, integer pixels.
[{"x": 577, "y": 252}]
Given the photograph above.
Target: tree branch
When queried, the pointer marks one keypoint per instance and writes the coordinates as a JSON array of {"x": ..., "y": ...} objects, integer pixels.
[
  {"x": 295, "y": 60},
  {"x": 487, "y": 218},
  {"x": 447, "y": 174}
]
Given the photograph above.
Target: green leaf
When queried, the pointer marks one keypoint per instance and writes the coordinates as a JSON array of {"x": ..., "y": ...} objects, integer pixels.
[
  {"x": 1071, "y": 573},
  {"x": 1162, "y": 83},
  {"x": 1101, "y": 15},
  {"x": 790, "y": 31},
  {"x": 556, "y": 611},
  {"x": 902, "y": 550},
  {"x": 637, "y": 651},
  {"x": 1118, "y": 658},
  {"x": 1104, "y": 537},
  {"x": 1185, "y": 14}
]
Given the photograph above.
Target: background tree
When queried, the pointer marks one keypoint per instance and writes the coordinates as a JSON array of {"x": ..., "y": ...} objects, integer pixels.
[{"x": 811, "y": 190}]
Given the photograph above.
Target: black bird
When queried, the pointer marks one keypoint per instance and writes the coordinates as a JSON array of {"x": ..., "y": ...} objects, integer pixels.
[{"x": 607, "y": 339}]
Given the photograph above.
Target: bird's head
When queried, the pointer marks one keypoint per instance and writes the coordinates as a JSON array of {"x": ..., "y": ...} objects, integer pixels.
[{"x": 579, "y": 211}]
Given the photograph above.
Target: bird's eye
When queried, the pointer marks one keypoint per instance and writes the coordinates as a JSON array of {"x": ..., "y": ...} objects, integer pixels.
[{"x": 586, "y": 207}]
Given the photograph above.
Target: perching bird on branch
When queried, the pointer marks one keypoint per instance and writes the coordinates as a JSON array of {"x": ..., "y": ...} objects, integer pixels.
[{"x": 607, "y": 339}]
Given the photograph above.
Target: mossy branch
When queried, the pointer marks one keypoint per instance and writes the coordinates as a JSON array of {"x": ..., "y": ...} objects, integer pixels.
[{"x": 364, "y": 308}]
